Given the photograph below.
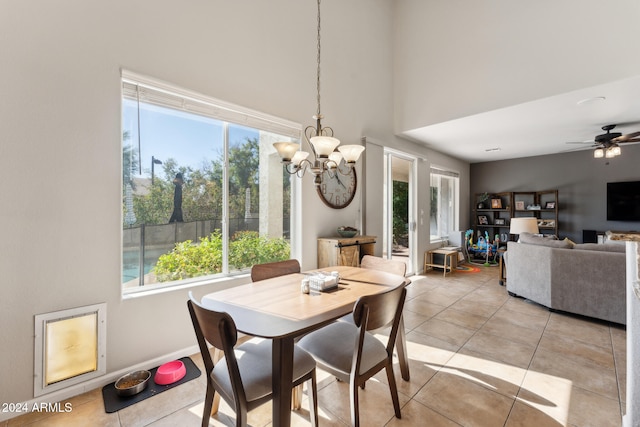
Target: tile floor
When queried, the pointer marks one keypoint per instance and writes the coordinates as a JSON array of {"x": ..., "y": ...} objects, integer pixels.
[{"x": 478, "y": 358}]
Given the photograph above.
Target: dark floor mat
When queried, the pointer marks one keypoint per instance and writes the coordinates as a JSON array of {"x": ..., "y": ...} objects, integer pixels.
[{"x": 113, "y": 402}]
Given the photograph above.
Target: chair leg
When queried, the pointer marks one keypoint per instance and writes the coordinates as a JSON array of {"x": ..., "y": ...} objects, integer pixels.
[
  {"x": 313, "y": 400},
  {"x": 355, "y": 409},
  {"x": 208, "y": 403},
  {"x": 296, "y": 398},
  {"x": 393, "y": 388},
  {"x": 217, "y": 355},
  {"x": 241, "y": 418},
  {"x": 401, "y": 347}
]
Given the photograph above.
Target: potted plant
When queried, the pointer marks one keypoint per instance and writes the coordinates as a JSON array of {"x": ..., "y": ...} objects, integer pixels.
[{"x": 483, "y": 198}]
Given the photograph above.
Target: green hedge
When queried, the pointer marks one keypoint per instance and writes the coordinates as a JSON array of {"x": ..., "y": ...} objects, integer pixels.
[{"x": 246, "y": 248}]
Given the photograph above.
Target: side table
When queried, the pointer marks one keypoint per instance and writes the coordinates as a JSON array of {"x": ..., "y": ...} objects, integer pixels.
[
  {"x": 447, "y": 262},
  {"x": 503, "y": 278}
]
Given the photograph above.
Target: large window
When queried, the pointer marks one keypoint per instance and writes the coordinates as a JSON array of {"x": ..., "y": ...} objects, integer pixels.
[
  {"x": 444, "y": 203},
  {"x": 204, "y": 193}
]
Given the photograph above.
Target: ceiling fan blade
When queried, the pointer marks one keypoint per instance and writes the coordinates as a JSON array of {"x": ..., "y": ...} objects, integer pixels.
[
  {"x": 629, "y": 140},
  {"x": 627, "y": 137}
]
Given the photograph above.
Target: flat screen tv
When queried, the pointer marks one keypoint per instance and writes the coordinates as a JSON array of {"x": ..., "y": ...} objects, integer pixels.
[{"x": 623, "y": 201}]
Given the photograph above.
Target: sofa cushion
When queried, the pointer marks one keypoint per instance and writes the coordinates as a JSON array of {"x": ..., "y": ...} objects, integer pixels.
[
  {"x": 532, "y": 239},
  {"x": 597, "y": 247}
]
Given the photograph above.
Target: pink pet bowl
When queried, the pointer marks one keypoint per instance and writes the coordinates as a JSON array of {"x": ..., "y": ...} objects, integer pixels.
[{"x": 170, "y": 372}]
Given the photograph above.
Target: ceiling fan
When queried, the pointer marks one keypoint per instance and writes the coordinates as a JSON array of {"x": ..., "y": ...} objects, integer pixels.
[{"x": 606, "y": 144}]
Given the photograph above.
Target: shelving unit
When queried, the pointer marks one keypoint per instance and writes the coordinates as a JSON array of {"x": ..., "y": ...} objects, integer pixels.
[
  {"x": 542, "y": 205},
  {"x": 487, "y": 216},
  {"x": 492, "y": 215}
]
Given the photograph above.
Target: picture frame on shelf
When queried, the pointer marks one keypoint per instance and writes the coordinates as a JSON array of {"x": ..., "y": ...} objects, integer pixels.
[
  {"x": 546, "y": 223},
  {"x": 500, "y": 221},
  {"x": 550, "y": 205},
  {"x": 520, "y": 205},
  {"x": 483, "y": 220},
  {"x": 496, "y": 203}
]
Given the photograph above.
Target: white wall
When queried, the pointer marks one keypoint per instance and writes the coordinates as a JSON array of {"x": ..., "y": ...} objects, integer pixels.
[
  {"x": 454, "y": 58},
  {"x": 60, "y": 148}
]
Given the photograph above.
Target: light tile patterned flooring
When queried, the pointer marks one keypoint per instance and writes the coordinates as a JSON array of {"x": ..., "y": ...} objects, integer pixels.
[{"x": 478, "y": 358}]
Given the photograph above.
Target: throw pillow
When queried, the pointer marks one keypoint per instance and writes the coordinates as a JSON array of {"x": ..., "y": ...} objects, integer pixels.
[
  {"x": 542, "y": 241},
  {"x": 601, "y": 248}
]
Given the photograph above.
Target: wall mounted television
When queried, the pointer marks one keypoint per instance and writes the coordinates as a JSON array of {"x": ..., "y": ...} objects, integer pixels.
[{"x": 623, "y": 201}]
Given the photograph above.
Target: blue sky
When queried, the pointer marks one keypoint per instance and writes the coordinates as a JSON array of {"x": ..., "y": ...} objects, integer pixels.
[{"x": 189, "y": 139}]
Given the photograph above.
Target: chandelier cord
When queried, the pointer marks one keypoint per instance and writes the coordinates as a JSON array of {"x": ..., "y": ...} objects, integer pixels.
[{"x": 318, "y": 59}]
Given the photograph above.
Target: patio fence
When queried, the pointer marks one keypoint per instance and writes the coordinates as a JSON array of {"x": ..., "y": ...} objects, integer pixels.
[{"x": 144, "y": 244}]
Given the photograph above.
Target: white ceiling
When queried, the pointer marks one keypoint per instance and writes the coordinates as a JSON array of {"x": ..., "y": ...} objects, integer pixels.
[{"x": 538, "y": 127}]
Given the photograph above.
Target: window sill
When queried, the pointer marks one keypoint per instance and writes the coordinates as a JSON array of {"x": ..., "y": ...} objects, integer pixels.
[{"x": 218, "y": 282}]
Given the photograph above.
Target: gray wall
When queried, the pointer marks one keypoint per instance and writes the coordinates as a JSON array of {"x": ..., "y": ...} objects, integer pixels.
[{"x": 580, "y": 179}]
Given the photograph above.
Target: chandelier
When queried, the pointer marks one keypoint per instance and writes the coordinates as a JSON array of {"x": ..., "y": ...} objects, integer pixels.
[{"x": 322, "y": 143}]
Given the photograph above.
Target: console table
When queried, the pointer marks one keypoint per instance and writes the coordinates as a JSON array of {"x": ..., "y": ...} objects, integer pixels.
[{"x": 346, "y": 251}]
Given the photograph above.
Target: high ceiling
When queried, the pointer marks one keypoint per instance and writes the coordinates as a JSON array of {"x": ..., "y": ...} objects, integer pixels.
[{"x": 540, "y": 127}]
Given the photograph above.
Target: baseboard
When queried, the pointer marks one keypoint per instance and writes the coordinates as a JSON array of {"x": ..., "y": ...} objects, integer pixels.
[{"x": 77, "y": 389}]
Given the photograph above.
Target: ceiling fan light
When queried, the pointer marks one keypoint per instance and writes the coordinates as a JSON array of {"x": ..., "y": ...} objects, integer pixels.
[
  {"x": 598, "y": 153},
  {"x": 616, "y": 150},
  {"x": 609, "y": 153}
]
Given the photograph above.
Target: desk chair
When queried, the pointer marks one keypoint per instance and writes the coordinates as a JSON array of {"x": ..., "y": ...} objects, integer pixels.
[
  {"x": 244, "y": 382},
  {"x": 352, "y": 354}
]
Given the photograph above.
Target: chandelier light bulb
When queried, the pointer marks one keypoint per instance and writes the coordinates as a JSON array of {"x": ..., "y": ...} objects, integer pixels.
[
  {"x": 335, "y": 157},
  {"x": 598, "y": 153},
  {"x": 299, "y": 157},
  {"x": 351, "y": 153},
  {"x": 324, "y": 145},
  {"x": 286, "y": 150}
]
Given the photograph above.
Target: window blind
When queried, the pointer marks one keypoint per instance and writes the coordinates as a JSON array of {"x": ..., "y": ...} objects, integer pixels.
[
  {"x": 151, "y": 91},
  {"x": 445, "y": 172}
]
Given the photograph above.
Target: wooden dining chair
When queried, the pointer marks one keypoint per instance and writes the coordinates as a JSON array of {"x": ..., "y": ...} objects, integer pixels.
[
  {"x": 399, "y": 268},
  {"x": 243, "y": 377},
  {"x": 274, "y": 269},
  {"x": 352, "y": 354},
  {"x": 383, "y": 264},
  {"x": 270, "y": 270}
]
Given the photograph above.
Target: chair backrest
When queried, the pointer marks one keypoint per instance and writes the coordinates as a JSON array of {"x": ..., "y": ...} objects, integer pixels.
[
  {"x": 379, "y": 309},
  {"x": 274, "y": 269},
  {"x": 218, "y": 329},
  {"x": 388, "y": 265},
  {"x": 376, "y": 311}
]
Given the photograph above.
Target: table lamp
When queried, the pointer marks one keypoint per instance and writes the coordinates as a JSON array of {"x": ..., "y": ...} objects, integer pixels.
[{"x": 524, "y": 225}]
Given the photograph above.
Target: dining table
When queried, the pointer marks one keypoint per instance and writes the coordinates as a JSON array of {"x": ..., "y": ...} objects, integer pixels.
[{"x": 278, "y": 310}]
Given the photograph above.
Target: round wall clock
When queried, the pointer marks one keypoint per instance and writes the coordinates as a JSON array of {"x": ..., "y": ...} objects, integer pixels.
[{"x": 337, "y": 191}]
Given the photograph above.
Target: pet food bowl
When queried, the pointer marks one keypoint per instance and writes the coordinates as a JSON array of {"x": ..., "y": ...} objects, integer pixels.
[
  {"x": 170, "y": 372},
  {"x": 132, "y": 383}
]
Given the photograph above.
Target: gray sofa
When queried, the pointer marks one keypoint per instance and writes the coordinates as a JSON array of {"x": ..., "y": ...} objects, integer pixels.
[{"x": 586, "y": 279}]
